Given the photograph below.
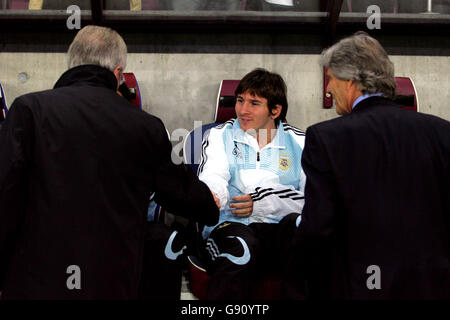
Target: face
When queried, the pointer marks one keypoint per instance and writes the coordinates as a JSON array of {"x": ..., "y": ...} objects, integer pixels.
[
  {"x": 342, "y": 93},
  {"x": 253, "y": 112}
]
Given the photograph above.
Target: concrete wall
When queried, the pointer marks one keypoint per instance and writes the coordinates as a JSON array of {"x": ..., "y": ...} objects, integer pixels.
[{"x": 182, "y": 88}]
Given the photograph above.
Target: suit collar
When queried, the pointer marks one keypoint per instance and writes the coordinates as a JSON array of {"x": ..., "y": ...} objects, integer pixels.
[
  {"x": 374, "y": 101},
  {"x": 364, "y": 97}
]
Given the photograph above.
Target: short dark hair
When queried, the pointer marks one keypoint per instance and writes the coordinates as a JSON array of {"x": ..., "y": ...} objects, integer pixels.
[{"x": 268, "y": 85}]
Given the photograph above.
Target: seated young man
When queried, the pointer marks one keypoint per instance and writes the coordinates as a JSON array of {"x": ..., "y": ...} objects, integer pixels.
[{"x": 252, "y": 164}]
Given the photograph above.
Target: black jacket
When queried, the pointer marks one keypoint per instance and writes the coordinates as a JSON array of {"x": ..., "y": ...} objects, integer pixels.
[
  {"x": 377, "y": 194},
  {"x": 77, "y": 166}
]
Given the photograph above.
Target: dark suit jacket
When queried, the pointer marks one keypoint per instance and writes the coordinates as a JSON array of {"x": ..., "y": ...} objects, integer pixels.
[
  {"x": 77, "y": 166},
  {"x": 377, "y": 193}
]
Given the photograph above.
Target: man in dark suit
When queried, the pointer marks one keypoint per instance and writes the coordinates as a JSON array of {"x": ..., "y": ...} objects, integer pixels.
[
  {"x": 77, "y": 166},
  {"x": 375, "y": 223}
]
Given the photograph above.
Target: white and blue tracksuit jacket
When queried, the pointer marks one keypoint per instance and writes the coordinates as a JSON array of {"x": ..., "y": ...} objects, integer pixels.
[{"x": 232, "y": 164}]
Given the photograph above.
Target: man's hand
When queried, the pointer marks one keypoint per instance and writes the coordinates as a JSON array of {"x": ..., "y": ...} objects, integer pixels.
[
  {"x": 244, "y": 205},
  {"x": 217, "y": 200}
]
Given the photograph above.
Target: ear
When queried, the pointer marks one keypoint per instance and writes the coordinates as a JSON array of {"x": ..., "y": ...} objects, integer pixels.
[
  {"x": 276, "y": 111},
  {"x": 353, "y": 91},
  {"x": 118, "y": 73},
  {"x": 350, "y": 84}
]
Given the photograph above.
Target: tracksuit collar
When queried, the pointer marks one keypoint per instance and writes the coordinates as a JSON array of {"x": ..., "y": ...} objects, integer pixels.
[{"x": 240, "y": 136}]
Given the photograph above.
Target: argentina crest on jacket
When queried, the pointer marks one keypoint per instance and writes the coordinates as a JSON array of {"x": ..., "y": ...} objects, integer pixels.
[{"x": 284, "y": 161}]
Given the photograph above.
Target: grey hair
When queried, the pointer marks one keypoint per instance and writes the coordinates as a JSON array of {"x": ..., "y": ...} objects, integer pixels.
[
  {"x": 100, "y": 46},
  {"x": 362, "y": 59}
]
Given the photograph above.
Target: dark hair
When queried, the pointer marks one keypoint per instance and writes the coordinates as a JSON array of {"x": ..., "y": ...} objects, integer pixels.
[{"x": 267, "y": 85}]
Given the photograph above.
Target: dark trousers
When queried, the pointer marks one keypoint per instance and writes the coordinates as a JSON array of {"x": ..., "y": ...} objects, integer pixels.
[
  {"x": 239, "y": 255},
  {"x": 162, "y": 263}
]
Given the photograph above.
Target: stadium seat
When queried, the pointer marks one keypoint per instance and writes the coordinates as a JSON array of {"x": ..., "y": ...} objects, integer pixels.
[
  {"x": 406, "y": 94},
  {"x": 131, "y": 92},
  {"x": 226, "y": 101}
]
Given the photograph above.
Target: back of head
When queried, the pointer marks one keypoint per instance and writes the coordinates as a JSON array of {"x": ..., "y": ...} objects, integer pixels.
[
  {"x": 99, "y": 46},
  {"x": 268, "y": 85},
  {"x": 362, "y": 59}
]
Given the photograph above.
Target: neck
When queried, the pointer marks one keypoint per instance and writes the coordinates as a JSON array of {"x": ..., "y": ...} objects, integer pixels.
[{"x": 353, "y": 96}]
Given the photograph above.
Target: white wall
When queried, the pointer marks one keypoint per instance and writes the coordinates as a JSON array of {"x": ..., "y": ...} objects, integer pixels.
[{"x": 182, "y": 88}]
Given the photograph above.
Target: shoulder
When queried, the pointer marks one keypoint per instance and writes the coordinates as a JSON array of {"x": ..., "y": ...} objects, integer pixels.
[
  {"x": 328, "y": 124},
  {"x": 31, "y": 98},
  {"x": 33, "y": 103},
  {"x": 295, "y": 133},
  {"x": 329, "y": 130},
  {"x": 219, "y": 131},
  {"x": 440, "y": 128},
  {"x": 430, "y": 119},
  {"x": 226, "y": 125},
  {"x": 293, "y": 130},
  {"x": 390, "y": 112}
]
